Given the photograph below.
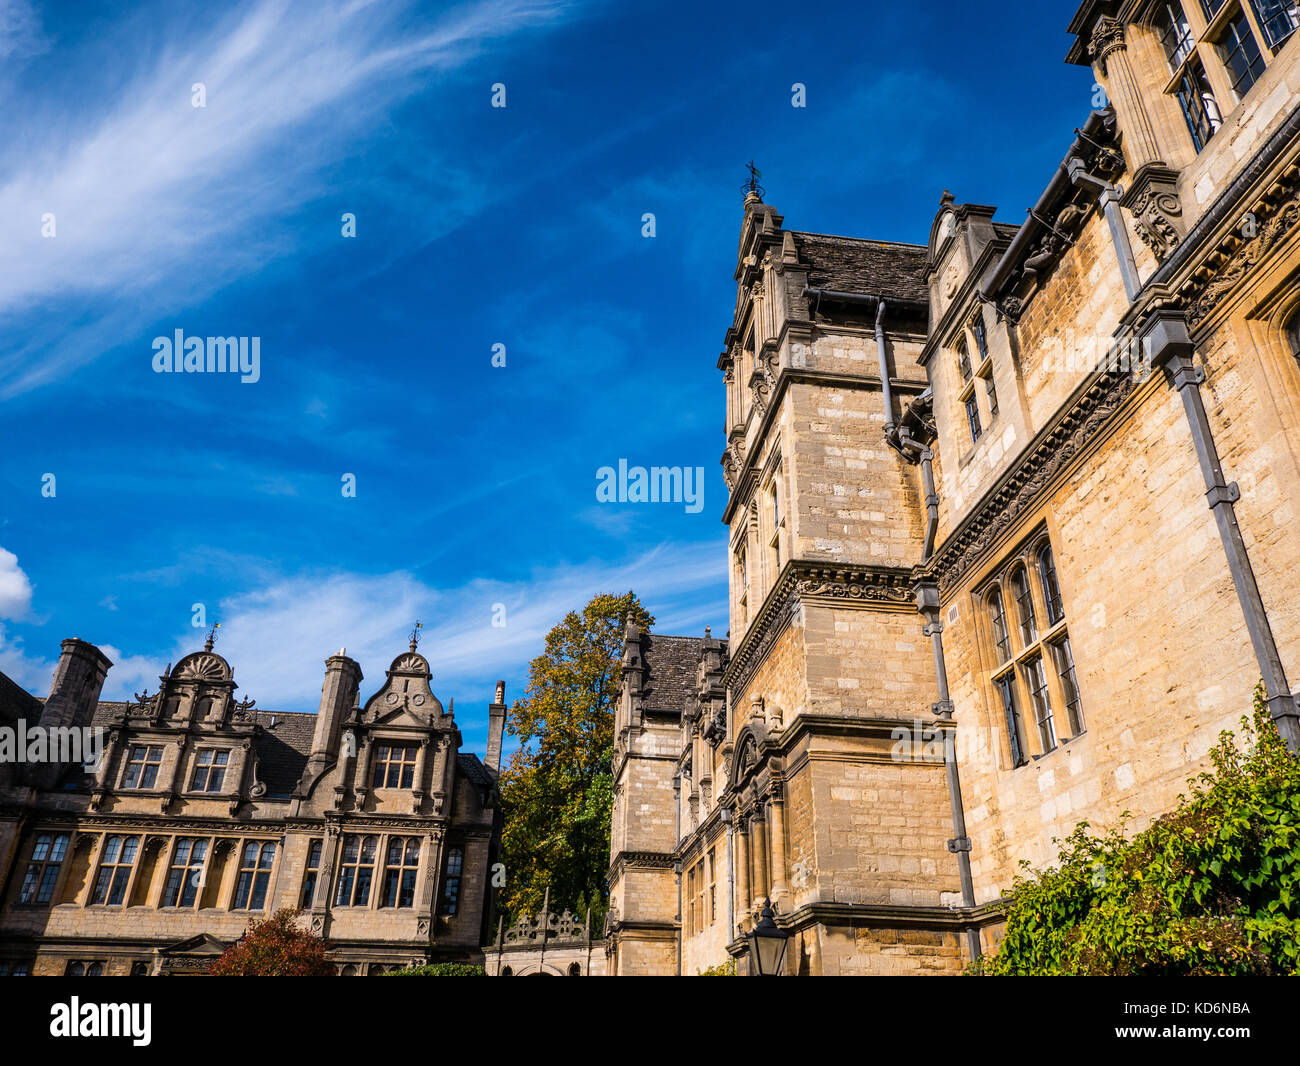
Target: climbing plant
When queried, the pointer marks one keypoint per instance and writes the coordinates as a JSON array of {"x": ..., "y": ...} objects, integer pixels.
[{"x": 1213, "y": 888}]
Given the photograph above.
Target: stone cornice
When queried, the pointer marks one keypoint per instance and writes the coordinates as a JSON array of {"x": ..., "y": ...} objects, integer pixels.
[
  {"x": 869, "y": 587},
  {"x": 1214, "y": 258},
  {"x": 1018, "y": 491},
  {"x": 746, "y": 475}
]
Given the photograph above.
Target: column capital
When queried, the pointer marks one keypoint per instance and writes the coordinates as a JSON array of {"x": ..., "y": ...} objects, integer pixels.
[{"x": 1107, "y": 39}]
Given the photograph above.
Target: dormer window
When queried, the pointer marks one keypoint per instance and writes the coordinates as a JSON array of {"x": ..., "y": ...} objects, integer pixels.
[
  {"x": 1200, "y": 109},
  {"x": 142, "y": 764},
  {"x": 1278, "y": 19},
  {"x": 209, "y": 770},
  {"x": 1241, "y": 55},
  {"x": 1175, "y": 34},
  {"x": 394, "y": 766}
]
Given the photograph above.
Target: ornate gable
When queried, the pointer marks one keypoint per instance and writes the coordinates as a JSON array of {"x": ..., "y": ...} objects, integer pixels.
[{"x": 405, "y": 697}]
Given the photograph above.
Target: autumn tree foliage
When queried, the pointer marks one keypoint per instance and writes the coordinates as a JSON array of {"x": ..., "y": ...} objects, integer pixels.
[
  {"x": 275, "y": 947},
  {"x": 1212, "y": 888},
  {"x": 557, "y": 791}
]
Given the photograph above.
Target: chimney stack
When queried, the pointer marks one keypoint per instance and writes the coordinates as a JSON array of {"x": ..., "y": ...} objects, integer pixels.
[
  {"x": 496, "y": 728},
  {"x": 338, "y": 694},
  {"x": 74, "y": 694}
]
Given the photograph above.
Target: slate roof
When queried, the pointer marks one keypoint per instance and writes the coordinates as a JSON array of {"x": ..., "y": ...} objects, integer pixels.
[
  {"x": 16, "y": 702},
  {"x": 671, "y": 667},
  {"x": 282, "y": 749},
  {"x": 472, "y": 768},
  {"x": 873, "y": 268}
]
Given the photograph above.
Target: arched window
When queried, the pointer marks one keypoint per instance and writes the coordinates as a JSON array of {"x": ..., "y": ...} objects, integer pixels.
[
  {"x": 139, "y": 969},
  {"x": 1024, "y": 607},
  {"x": 1051, "y": 588},
  {"x": 998, "y": 614},
  {"x": 506, "y": 971},
  {"x": 575, "y": 970},
  {"x": 75, "y": 969},
  {"x": 95, "y": 969},
  {"x": 349, "y": 970}
]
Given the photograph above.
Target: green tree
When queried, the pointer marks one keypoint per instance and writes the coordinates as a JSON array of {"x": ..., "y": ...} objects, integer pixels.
[
  {"x": 557, "y": 791},
  {"x": 275, "y": 947},
  {"x": 1212, "y": 888}
]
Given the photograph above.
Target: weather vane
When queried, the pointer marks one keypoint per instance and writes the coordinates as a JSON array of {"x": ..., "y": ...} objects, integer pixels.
[
  {"x": 752, "y": 186},
  {"x": 212, "y": 637},
  {"x": 415, "y": 634}
]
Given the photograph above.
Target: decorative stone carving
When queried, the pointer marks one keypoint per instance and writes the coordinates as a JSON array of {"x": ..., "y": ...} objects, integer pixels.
[
  {"x": 1272, "y": 223},
  {"x": 203, "y": 666},
  {"x": 1107, "y": 38},
  {"x": 1028, "y": 479},
  {"x": 1153, "y": 209}
]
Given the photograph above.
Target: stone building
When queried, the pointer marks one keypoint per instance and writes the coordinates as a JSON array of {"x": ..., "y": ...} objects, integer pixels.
[
  {"x": 1013, "y": 527},
  {"x": 205, "y": 813}
]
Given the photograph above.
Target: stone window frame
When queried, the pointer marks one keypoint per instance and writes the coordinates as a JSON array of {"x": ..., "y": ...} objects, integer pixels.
[
  {"x": 773, "y": 490},
  {"x": 712, "y": 860},
  {"x": 39, "y": 867},
  {"x": 210, "y": 768},
  {"x": 404, "y": 868},
  {"x": 356, "y": 866},
  {"x": 1047, "y": 654},
  {"x": 311, "y": 872},
  {"x": 255, "y": 873},
  {"x": 112, "y": 861},
  {"x": 453, "y": 871},
  {"x": 84, "y": 968},
  {"x": 974, "y": 359},
  {"x": 178, "y": 888},
  {"x": 144, "y": 764},
  {"x": 405, "y": 767}
]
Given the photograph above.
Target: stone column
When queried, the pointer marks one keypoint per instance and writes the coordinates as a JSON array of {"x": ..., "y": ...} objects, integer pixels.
[
  {"x": 758, "y": 849},
  {"x": 1108, "y": 50},
  {"x": 742, "y": 867},
  {"x": 1152, "y": 195},
  {"x": 779, "y": 886}
]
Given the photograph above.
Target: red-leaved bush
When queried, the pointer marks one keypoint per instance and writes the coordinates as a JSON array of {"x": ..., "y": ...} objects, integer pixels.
[{"x": 275, "y": 947}]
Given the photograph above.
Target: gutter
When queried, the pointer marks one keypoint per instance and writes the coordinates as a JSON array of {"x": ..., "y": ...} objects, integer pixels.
[{"x": 1060, "y": 183}]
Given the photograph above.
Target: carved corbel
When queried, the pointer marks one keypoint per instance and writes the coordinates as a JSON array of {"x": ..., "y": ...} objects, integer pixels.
[{"x": 1157, "y": 211}]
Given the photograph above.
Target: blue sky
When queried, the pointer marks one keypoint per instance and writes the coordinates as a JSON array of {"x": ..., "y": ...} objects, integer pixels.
[{"x": 475, "y": 226}]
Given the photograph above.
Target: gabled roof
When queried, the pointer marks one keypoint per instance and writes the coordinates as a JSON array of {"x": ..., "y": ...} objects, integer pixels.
[{"x": 872, "y": 268}]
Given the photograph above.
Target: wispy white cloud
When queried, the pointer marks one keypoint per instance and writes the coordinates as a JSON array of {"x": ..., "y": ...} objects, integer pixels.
[
  {"x": 20, "y": 30},
  {"x": 277, "y": 635},
  {"x": 15, "y": 588},
  {"x": 159, "y": 203}
]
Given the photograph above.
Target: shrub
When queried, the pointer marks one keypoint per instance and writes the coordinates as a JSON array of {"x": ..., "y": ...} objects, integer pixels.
[
  {"x": 1212, "y": 888},
  {"x": 440, "y": 969},
  {"x": 275, "y": 947}
]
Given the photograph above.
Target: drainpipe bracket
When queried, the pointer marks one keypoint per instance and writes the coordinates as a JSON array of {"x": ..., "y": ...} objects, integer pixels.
[
  {"x": 933, "y": 629},
  {"x": 960, "y": 844},
  {"x": 932, "y": 501},
  {"x": 942, "y": 709},
  {"x": 1221, "y": 494}
]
